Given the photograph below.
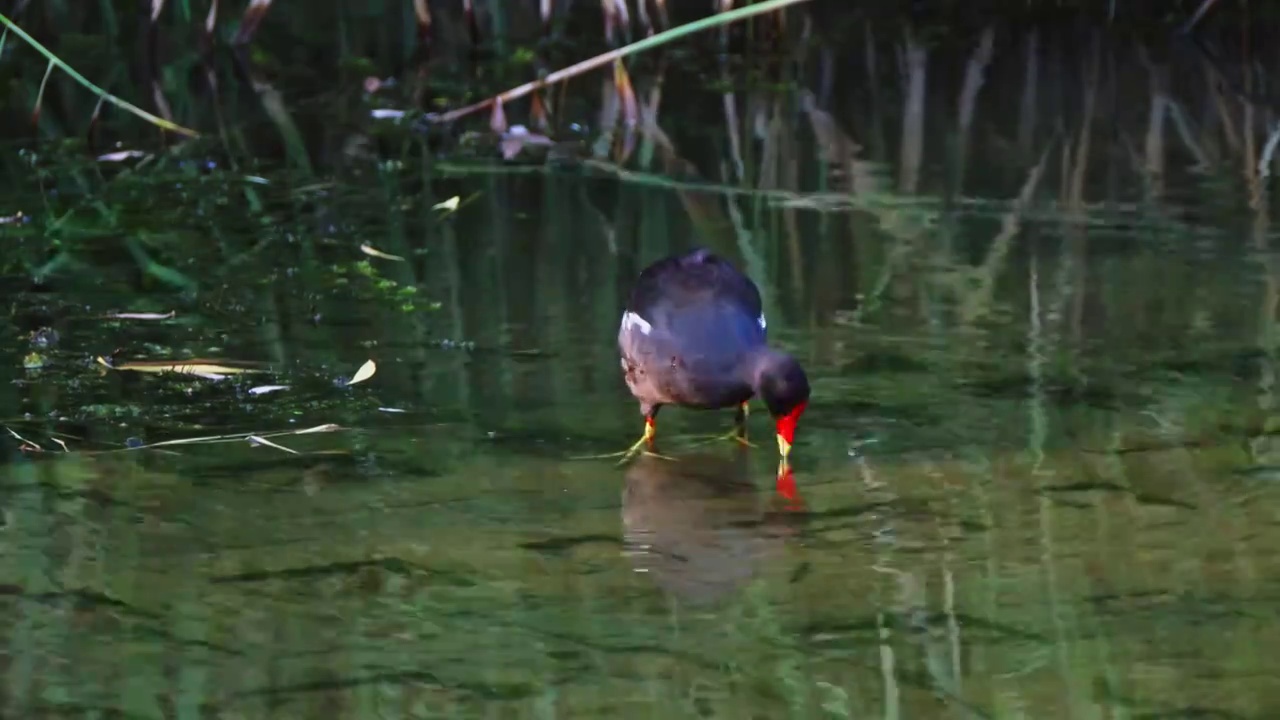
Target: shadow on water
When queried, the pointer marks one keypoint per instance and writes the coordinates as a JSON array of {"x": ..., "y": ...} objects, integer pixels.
[{"x": 1028, "y": 267}]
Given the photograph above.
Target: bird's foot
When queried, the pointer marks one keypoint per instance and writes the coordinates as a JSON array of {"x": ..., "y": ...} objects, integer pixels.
[
  {"x": 735, "y": 435},
  {"x": 738, "y": 434},
  {"x": 643, "y": 446}
]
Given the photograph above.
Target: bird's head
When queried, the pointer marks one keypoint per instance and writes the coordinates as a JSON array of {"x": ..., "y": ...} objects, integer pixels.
[{"x": 781, "y": 383}]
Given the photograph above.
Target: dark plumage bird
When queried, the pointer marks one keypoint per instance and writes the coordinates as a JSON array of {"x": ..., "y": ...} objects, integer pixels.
[{"x": 693, "y": 335}]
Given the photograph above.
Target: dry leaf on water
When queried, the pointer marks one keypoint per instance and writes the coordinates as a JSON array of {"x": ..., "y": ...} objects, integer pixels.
[
  {"x": 141, "y": 316},
  {"x": 368, "y": 249},
  {"x": 264, "y": 389},
  {"x": 25, "y": 443},
  {"x": 209, "y": 439},
  {"x": 213, "y": 369},
  {"x": 327, "y": 427},
  {"x": 121, "y": 155},
  {"x": 259, "y": 440},
  {"x": 365, "y": 372},
  {"x": 448, "y": 205}
]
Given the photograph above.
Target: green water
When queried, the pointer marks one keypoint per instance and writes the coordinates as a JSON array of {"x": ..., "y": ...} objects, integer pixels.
[{"x": 1037, "y": 477}]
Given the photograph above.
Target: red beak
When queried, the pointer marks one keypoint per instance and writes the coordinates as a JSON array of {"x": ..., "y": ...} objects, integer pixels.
[{"x": 787, "y": 429}]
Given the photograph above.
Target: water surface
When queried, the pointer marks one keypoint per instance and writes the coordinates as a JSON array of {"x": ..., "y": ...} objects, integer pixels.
[{"x": 1037, "y": 477}]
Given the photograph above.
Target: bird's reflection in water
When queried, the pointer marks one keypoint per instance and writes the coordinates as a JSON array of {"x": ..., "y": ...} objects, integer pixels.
[{"x": 699, "y": 526}]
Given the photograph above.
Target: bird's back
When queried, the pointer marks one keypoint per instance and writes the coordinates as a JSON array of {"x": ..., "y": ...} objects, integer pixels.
[
  {"x": 702, "y": 299},
  {"x": 690, "y": 321},
  {"x": 680, "y": 280}
]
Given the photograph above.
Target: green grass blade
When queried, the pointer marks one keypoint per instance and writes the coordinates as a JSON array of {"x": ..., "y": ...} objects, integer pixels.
[
  {"x": 653, "y": 41},
  {"x": 126, "y": 106}
]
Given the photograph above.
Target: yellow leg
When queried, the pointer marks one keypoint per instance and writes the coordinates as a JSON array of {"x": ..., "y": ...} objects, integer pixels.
[
  {"x": 643, "y": 445},
  {"x": 739, "y": 431},
  {"x": 645, "y": 442}
]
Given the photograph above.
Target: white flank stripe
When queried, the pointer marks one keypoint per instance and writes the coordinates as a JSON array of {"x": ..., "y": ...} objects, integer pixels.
[
  {"x": 631, "y": 321},
  {"x": 763, "y": 325}
]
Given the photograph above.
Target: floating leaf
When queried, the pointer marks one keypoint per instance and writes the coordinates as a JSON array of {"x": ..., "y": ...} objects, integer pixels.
[
  {"x": 365, "y": 372},
  {"x": 448, "y": 205},
  {"x": 233, "y": 437},
  {"x": 121, "y": 155},
  {"x": 213, "y": 369},
  {"x": 327, "y": 427},
  {"x": 264, "y": 389},
  {"x": 368, "y": 249},
  {"x": 259, "y": 440},
  {"x": 141, "y": 316},
  {"x": 25, "y": 443}
]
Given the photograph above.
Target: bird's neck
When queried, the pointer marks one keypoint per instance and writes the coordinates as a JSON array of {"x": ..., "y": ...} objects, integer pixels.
[{"x": 757, "y": 364}]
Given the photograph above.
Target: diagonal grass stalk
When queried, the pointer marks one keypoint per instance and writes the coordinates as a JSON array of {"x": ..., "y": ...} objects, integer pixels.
[
  {"x": 54, "y": 60},
  {"x": 653, "y": 41}
]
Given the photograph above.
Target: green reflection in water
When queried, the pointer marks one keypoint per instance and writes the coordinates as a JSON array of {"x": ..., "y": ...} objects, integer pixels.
[{"x": 1037, "y": 474}]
